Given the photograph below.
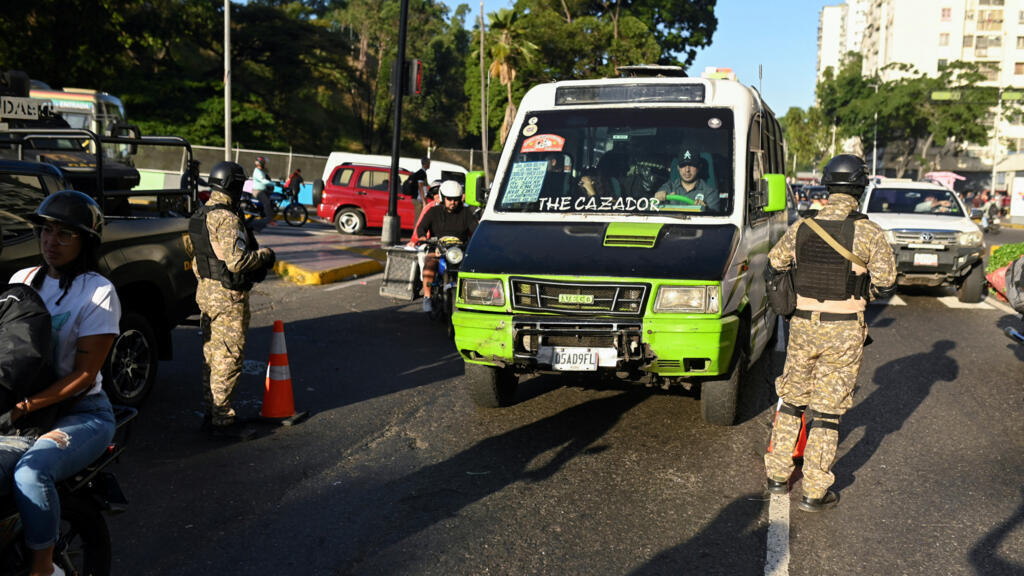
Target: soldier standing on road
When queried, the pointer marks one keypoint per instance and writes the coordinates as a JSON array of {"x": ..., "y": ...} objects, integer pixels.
[
  {"x": 827, "y": 332},
  {"x": 227, "y": 262}
]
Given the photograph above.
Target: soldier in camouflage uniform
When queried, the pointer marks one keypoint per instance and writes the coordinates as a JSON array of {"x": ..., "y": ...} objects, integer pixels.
[
  {"x": 227, "y": 262},
  {"x": 827, "y": 331}
]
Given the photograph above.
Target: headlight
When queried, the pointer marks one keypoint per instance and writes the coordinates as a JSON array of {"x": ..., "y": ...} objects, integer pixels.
[
  {"x": 700, "y": 299},
  {"x": 454, "y": 255},
  {"x": 969, "y": 238},
  {"x": 482, "y": 292}
]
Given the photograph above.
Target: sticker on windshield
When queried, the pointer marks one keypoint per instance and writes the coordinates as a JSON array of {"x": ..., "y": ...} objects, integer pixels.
[
  {"x": 530, "y": 130},
  {"x": 543, "y": 143},
  {"x": 525, "y": 182}
]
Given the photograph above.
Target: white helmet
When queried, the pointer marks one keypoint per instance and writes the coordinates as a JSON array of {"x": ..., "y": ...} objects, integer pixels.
[{"x": 451, "y": 189}]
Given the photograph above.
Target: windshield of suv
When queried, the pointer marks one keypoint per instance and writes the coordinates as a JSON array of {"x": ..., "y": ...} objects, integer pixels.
[
  {"x": 622, "y": 161},
  {"x": 914, "y": 201}
]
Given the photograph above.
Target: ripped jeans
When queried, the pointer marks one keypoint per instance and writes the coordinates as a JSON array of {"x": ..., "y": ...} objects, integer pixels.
[{"x": 33, "y": 466}]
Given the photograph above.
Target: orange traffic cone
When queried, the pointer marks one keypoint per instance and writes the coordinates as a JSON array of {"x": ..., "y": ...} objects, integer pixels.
[{"x": 278, "y": 402}]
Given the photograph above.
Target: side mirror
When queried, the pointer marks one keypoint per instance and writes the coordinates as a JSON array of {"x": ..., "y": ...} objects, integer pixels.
[
  {"x": 776, "y": 184},
  {"x": 127, "y": 131},
  {"x": 476, "y": 190}
]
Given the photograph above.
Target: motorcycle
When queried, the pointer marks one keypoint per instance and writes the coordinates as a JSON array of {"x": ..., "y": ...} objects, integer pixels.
[
  {"x": 282, "y": 200},
  {"x": 83, "y": 544},
  {"x": 442, "y": 289}
]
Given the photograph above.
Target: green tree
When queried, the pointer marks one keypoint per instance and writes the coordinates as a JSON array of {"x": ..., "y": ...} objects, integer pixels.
[
  {"x": 807, "y": 137},
  {"x": 510, "y": 47}
]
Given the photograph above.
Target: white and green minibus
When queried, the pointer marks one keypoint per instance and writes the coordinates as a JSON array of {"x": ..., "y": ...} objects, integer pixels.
[{"x": 599, "y": 250}]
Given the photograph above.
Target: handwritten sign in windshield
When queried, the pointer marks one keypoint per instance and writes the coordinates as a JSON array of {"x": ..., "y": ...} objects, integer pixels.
[{"x": 525, "y": 182}]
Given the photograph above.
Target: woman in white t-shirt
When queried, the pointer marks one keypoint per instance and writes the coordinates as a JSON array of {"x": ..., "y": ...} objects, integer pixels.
[{"x": 85, "y": 313}]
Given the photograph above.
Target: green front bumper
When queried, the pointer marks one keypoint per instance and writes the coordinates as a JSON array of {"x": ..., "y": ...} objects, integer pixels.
[{"x": 675, "y": 344}]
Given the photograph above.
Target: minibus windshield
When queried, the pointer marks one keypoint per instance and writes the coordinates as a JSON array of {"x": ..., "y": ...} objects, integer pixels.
[{"x": 622, "y": 161}]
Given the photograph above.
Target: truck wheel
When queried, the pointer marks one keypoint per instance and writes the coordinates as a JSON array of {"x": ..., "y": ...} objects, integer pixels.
[
  {"x": 349, "y": 221},
  {"x": 318, "y": 192},
  {"x": 130, "y": 372},
  {"x": 491, "y": 387},
  {"x": 973, "y": 285},
  {"x": 718, "y": 398}
]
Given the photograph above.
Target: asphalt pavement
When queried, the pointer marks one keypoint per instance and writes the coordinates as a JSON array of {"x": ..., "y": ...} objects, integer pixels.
[{"x": 316, "y": 253}]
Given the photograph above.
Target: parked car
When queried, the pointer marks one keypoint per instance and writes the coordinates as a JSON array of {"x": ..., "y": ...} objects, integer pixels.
[
  {"x": 355, "y": 197},
  {"x": 932, "y": 235}
]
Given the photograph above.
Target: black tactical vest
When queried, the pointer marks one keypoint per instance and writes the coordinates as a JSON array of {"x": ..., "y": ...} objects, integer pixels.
[
  {"x": 821, "y": 272},
  {"x": 207, "y": 263}
]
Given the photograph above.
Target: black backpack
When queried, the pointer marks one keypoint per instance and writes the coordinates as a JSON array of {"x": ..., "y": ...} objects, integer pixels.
[{"x": 26, "y": 355}]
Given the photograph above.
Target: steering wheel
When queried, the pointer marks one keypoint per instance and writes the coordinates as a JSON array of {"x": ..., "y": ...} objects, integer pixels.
[{"x": 679, "y": 199}]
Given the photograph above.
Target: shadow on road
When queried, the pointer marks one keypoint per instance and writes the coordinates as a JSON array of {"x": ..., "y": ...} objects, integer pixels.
[
  {"x": 434, "y": 493},
  {"x": 733, "y": 544},
  {"x": 902, "y": 385},
  {"x": 986, "y": 556}
]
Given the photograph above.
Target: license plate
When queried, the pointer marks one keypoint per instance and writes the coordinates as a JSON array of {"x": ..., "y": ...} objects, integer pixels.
[
  {"x": 574, "y": 359},
  {"x": 926, "y": 259}
]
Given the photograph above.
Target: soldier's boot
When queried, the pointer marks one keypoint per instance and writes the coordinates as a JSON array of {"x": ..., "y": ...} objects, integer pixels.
[
  {"x": 778, "y": 486},
  {"x": 829, "y": 500},
  {"x": 235, "y": 431}
]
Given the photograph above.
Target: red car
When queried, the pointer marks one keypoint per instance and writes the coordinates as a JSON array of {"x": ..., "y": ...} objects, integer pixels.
[{"x": 356, "y": 197}]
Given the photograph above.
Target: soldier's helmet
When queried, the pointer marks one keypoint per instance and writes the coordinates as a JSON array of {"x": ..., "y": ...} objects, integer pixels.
[
  {"x": 74, "y": 210},
  {"x": 229, "y": 178},
  {"x": 846, "y": 171}
]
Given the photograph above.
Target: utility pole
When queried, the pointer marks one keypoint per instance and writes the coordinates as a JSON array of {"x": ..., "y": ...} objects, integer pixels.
[
  {"x": 995, "y": 139},
  {"x": 874, "y": 141},
  {"x": 391, "y": 231},
  {"x": 483, "y": 100},
  {"x": 227, "y": 80}
]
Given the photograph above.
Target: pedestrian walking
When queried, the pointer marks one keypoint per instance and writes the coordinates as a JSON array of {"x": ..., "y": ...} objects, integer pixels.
[
  {"x": 840, "y": 260},
  {"x": 227, "y": 262}
]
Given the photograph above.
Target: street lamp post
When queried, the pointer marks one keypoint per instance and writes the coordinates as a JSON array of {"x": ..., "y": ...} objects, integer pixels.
[{"x": 874, "y": 140}]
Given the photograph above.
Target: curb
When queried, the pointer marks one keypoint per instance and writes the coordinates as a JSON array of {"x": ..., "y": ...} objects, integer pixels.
[{"x": 376, "y": 257}]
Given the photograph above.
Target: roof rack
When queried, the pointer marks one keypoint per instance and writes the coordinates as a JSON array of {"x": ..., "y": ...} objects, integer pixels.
[{"x": 651, "y": 71}]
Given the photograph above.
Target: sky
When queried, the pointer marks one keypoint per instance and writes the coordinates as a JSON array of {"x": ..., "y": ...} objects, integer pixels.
[{"x": 779, "y": 35}]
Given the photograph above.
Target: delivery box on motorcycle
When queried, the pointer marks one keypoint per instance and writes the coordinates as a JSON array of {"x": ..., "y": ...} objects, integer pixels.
[{"x": 626, "y": 232}]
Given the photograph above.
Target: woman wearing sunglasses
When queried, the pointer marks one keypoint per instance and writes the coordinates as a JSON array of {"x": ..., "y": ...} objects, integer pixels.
[{"x": 85, "y": 313}]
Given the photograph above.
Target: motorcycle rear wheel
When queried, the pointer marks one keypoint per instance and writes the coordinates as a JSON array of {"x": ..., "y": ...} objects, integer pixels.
[{"x": 295, "y": 214}]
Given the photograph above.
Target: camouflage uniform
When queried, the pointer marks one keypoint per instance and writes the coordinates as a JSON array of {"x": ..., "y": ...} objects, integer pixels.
[
  {"x": 823, "y": 357},
  {"x": 225, "y": 313}
]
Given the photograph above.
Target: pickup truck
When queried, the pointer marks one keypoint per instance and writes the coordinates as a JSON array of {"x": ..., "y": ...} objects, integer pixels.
[
  {"x": 931, "y": 233},
  {"x": 145, "y": 250}
]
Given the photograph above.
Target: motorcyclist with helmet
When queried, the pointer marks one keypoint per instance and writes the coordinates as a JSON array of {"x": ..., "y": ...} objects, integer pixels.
[
  {"x": 227, "y": 262},
  {"x": 73, "y": 410},
  {"x": 448, "y": 218},
  {"x": 833, "y": 282}
]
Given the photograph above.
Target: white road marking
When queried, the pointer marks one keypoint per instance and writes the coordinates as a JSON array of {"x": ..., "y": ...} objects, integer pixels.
[
  {"x": 777, "y": 557},
  {"x": 954, "y": 302}
]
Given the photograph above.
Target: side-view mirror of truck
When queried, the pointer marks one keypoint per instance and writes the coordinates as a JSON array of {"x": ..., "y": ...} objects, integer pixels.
[
  {"x": 126, "y": 131},
  {"x": 776, "y": 188},
  {"x": 476, "y": 189}
]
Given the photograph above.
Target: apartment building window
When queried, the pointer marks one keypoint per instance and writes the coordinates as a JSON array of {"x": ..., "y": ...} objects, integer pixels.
[
  {"x": 990, "y": 2},
  {"x": 1018, "y": 69},
  {"x": 942, "y": 63},
  {"x": 968, "y": 41},
  {"x": 944, "y": 39},
  {"x": 990, "y": 70},
  {"x": 1020, "y": 42},
  {"x": 990, "y": 20},
  {"x": 947, "y": 14}
]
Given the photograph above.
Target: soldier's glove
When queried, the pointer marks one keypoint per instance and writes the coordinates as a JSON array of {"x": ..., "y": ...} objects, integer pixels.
[{"x": 268, "y": 257}]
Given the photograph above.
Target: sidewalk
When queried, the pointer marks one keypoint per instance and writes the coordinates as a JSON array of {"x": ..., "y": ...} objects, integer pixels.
[{"x": 317, "y": 254}]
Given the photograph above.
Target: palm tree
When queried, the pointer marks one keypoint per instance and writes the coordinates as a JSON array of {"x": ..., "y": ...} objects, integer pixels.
[{"x": 506, "y": 51}]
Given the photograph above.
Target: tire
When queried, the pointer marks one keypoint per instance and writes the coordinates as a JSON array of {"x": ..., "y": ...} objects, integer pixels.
[
  {"x": 349, "y": 221},
  {"x": 437, "y": 304},
  {"x": 84, "y": 543},
  {"x": 491, "y": 387},
  {"x": 718, "y": 398},
  {"x": 295, "y": 214},
  {"x": 318, "y": 192},
  {"x": 973, "y": 286},
  {"x": 130, "y": 371}
]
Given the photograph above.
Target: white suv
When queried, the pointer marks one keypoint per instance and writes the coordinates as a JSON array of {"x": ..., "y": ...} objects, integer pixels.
[{"x": 931, "y": 233}]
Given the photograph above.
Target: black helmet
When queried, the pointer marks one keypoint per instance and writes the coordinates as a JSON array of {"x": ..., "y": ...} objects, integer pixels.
[
  {"x": 72, "y": 209},
  {"x": 845, "y": 170},
  {"x": 228, "y": 177}
]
